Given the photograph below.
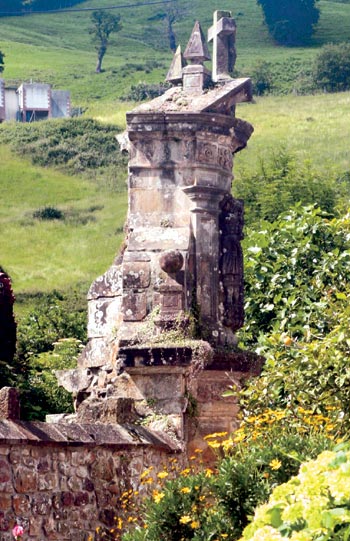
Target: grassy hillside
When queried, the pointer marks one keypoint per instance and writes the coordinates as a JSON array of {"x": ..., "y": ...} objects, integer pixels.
[
  {"x": 42, "y": 255},
  {"x": 57, "y": 48}
]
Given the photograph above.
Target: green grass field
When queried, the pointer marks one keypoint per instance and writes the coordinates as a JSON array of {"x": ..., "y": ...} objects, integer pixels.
[{"x": 43, "y": 255}]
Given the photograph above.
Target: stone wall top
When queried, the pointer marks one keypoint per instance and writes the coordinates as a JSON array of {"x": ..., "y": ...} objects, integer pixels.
[{"x": 77, "y": 434}]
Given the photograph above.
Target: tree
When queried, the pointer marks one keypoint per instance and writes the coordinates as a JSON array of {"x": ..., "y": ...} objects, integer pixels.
[
  {"x": 332, "y": 68},
  {"x": 290, "y": 22},
  {"x": 170, "y": 14},
  {"x": 104, "y": 24}
]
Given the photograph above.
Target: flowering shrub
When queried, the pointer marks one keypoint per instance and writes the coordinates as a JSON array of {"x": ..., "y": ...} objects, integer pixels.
[
  {"x": 199, "y": 503},
  {"x": 312, "y": 506}
]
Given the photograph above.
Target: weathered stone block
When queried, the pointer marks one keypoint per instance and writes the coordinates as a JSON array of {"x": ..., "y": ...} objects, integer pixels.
[
  {"x": 4, "y": 522},
  {"x": 5, "y": 471},
  {"x": 104, "y": 316},
  {"x": 103, "y": 468},
  {"x": 134, "y": 306},
  {"x": 107, "y": 285},
  {"x": 47, "y": 482},
  {"x": 25, "y": 480},
  {"x": 21, "y": 504},
  {"x": 67, "y": 499},
  {"x": 136, "y": 275},
  {"x": 41, "y": 504},
  {"x": 81, "y": 499},
  {"x": 5, "y": 502}
]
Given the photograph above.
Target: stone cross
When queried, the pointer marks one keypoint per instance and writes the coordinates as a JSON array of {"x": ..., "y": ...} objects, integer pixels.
[{"x": 222, "y": 34}]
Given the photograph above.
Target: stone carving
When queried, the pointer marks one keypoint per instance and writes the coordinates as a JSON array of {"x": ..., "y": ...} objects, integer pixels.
[
  {"x": 182, "y": 259},
  {"x": 174, "y": 75},
  {"x": 196, "y": 76},
  {"x": 197, "y": 49},
  {"x": 231, "y": 260},
  {"x": 222, "y": 34}
]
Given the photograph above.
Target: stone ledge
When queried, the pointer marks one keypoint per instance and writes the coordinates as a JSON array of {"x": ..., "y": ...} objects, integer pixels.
[
  {"x": 240, "y": 361},
  {"x": 77, "y": 434}
]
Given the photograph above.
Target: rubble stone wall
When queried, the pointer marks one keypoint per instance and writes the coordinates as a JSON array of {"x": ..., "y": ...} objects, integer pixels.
[{"x": 63, "y": 492}]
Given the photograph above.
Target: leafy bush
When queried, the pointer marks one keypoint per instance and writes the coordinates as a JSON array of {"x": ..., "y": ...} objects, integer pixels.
[
  {"x": 41, "y": 393},
  {"x": 55, "y": 316},
  {"x": 332, "y": 68},
  {"x": 281, "y": 181},
  {"x": 48, "y": 213},
  {"x": 75, "y": 145},
  {"x": 202, "y": 503},
  {"x": 310, "y": 373},
  {"x": 262, "y": 78},
  {"x": 294, "y": 268},
  {"x": 313, "y": 505},
  {"x": 144, "y": 91},
  {"x": 48, "y": 338},
  {"x": 297, "y": 273}
]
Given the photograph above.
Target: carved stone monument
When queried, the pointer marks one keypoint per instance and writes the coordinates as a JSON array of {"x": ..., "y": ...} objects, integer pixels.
[{"x": 162, "y": 320}]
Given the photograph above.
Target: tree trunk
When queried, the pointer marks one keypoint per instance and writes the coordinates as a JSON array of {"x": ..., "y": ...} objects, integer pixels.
[{"x": 100, "y": 54}]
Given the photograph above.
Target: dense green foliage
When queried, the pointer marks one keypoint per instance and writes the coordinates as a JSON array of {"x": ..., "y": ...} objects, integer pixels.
[
  {"x": 332, "y": 68},
  {"x": 49, "y": 337},
  {"x": 312, "y": 506},
  {"x": 297, "y": 274},
  {"x": 281, "y": 181},
  {"x": 76, "y": 145},
  {"x": 290, "y": 22},
  {"x": 294, "y": 268}
]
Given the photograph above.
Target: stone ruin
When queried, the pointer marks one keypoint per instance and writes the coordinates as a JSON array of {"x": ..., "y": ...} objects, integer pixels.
[{"x": 162, "y": 319}]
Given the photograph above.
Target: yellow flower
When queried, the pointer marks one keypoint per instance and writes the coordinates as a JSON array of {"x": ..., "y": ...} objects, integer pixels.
[
  {"x": 158, "y": 497},
  {"x": 148, "y": 481},
  {"x": 186, "y": 471},
  {"x": 119, "y": 523},
  {"x": 185, "y": 490},
  {"x": 195, "y": 524},
  {"x": 208, "y": 472},
  {"x": 239, "y": 438},
  {"x": 185, "y": 519},
  {"x": 146, "y": 472},
  {"x": 162, "y": 474},
  {"x": 224, "y": 535},
  {"x": 198, "y": 450},
  {"x": 214, "y": 444},
  {"x": 215, "y": 435},
  {"x": 275, "y": 464}
]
